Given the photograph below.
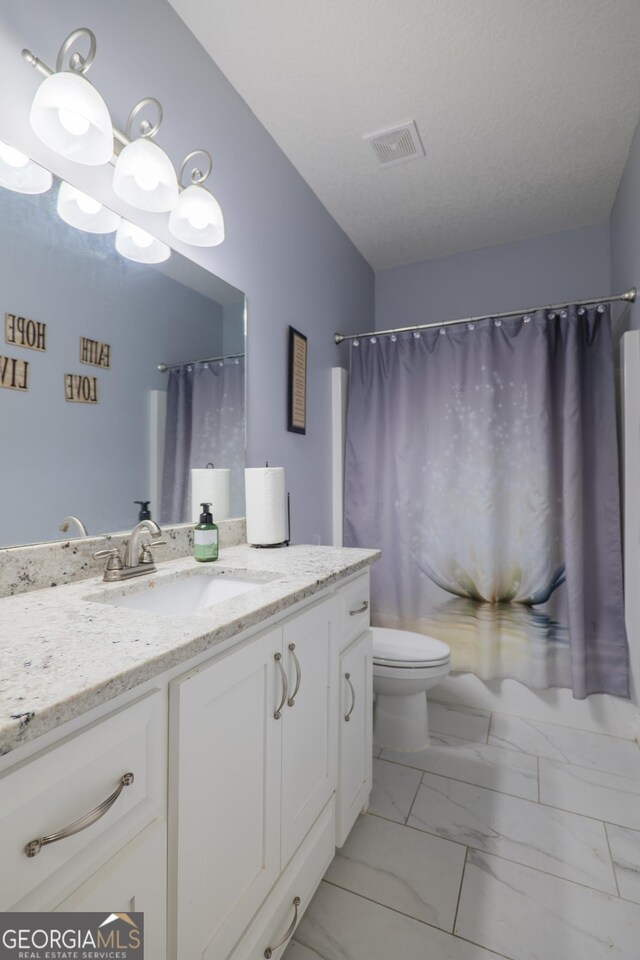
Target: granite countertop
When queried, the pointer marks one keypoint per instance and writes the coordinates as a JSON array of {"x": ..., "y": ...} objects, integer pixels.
[{"x": 64, "y": 651}]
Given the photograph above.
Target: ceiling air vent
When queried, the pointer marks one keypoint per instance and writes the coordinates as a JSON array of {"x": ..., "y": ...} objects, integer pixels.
[{"x": 397, "y": 145}]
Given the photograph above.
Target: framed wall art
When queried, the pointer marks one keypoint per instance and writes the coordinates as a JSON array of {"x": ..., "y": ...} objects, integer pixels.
[{"x": 297, "y": 392}]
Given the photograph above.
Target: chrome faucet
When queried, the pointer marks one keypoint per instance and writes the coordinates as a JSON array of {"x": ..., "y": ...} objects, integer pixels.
[
  {"x": 138, "y": 559},
  {"x": 66, "y": 523}
]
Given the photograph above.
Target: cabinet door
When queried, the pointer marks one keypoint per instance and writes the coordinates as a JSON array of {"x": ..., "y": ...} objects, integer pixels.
[
  {"x": 134, "y": 880},
  {"x": 225, "y": 795},
  {"x": 356, "y": 724},
  {"x": 309, "y": 732}
]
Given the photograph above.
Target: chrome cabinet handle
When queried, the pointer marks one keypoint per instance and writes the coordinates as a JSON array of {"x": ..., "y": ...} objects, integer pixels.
[
  {"x": 347, "y": 716},
  {"x": 269, "y": 951},
  {"x": 34, "y": 847},
  {"x": 292, "y": 699},
  {"x": 365, "y": 606},
  {"x": 285, "y": 686}
]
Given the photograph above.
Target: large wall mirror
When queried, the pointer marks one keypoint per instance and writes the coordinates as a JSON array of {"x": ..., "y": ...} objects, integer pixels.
[{"x": 141, "y": 382}]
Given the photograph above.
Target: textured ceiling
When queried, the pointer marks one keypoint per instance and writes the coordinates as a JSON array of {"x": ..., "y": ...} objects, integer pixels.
[{"x": 526, "y": 109}]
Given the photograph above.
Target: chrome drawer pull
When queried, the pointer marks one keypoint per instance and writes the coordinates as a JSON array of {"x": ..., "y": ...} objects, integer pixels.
[
  {"x": 34, "y": 847},
  {"x": 285, "y": 686},
  {"x": 292, "y": 699},
  {"x": 268, "y": 952},
  {"x": 347, "y": 716},
  {"x": 365, "y": 606}
]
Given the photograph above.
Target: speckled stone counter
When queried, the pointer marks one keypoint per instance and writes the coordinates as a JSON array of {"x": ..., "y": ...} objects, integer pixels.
[
  {"x": 41, "y": 565},
  {"x": 66, "y": 650}
]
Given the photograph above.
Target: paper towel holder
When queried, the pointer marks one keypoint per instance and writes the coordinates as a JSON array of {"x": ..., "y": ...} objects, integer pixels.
[{"x": 285, "y": 543}]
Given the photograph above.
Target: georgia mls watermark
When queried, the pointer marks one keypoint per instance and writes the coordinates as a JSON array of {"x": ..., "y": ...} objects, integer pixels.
[{"x": 71, "y": 936}]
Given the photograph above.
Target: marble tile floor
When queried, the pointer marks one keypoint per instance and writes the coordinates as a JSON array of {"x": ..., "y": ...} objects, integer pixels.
[{"x": 506, "y": 839}]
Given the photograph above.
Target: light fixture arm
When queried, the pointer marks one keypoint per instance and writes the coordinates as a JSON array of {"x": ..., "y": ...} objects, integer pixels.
[
  {"x": 146, "y": 129},
  {"x": 77, "y": 63},
  {"x": 196, "y": 175}
]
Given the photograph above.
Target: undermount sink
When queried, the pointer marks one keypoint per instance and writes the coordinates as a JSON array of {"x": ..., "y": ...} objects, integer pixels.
[{"x": 186, "y": 595}]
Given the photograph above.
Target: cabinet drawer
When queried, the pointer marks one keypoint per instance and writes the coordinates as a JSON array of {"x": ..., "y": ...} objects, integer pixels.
[
  {"x": 354, "y": 604},
  {"x": 300, "y": 880},
  {"x": 132, "y": 881},
  {"x": 72, "y": 780}
]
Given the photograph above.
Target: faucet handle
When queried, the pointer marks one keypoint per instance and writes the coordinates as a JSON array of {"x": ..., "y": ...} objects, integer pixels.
[
  {"x": 114, "y": 563},
  {"x": 146, "y": 555}
]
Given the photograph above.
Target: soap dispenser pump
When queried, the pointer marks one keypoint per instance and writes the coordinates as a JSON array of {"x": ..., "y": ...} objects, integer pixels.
[
  {"x": 145, "y": 513},
  {"x": 205, "y": 536}
]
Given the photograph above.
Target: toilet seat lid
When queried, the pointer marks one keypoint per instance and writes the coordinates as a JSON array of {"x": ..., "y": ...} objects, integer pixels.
[{"x": 408, "y": 648}]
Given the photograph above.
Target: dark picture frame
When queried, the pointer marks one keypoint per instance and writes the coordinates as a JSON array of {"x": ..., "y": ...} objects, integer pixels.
[{"x": 297, "y": 391}]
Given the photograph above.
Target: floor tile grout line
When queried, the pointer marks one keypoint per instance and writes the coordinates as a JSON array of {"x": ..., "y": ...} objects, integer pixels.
[
  {"x": 408, "y": 916},
  {"x": 409, "y": 826},
  {"x": 469, "y": 783},
  {"x": 420, "y": 782},
  {"x": 538, "y": 776},
  {"x": 562, "y": 726},
  {"x": 521, "y": 753},
  {"x": 501, "y": 793},
  {"x": 613, "y": 863},
  {"x": 488, "y": 853},
  {"x": 455, "y": 916},
  {"x": 589, "y": 816},
  {"x": 514, "y": 716}
]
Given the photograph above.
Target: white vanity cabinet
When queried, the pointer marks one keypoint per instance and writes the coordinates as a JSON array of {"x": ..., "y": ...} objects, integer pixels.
[
  {"x": 249, "y": 766},
  {"x": 253, "y": 746}
]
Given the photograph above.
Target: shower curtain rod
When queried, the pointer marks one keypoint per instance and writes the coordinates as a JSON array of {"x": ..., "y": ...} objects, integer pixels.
[
  {"x": 628, "y": 295},
  {"x": 162, "y": 367}
]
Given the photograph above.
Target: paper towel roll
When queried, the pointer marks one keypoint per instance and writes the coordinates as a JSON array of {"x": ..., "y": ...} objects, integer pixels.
[
  {"x": 210, "y": 486},
  {"x": 266, "y": 505}
]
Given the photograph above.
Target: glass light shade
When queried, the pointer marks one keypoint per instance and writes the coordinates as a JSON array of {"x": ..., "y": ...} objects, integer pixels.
[
  {"x": 70, "y": 116},
  {"x": 136, "y": 244},
  {"x": 197, "y": 218},
  {"x": 83, "y": 212},
  {"x": 19, "y": 173},
  {"x": 145, "y": 177}
]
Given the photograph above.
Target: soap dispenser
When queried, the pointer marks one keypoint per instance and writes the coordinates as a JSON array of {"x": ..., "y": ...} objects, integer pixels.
[
  {"x": 205, "y": 536},
  {"x": 145, "y": 513}
]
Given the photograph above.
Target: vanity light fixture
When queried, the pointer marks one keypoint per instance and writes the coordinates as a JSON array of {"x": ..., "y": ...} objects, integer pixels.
[
  {"x": 68, "y": 114},
  {"x": 83, "y": 212},
  {"x": 197, "y": 217},
  {"x": 18, "y": 172},
  {"x": 136, "y": 244},
  {"x": 144, "y": 175}
]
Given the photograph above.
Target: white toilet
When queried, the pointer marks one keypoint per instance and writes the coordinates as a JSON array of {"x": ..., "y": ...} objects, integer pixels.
[{"x": 405, "y": 666}]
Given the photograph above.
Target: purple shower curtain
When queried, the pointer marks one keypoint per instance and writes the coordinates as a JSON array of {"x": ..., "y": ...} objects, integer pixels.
[
  {"x": 482, "y": 460},
  {"x": 205, "y": 424}
]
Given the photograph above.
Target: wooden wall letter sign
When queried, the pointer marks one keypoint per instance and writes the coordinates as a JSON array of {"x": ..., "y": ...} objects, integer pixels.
[
  {"x": 95, "y": 353},
  {"x": 24, "y": 332},
  {"x": 14, "y": 373},
  {"x": 80, "y": 389}
]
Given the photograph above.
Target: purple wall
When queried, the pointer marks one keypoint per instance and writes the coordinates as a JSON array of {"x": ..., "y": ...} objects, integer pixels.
[
  {"x": 283, "y": 249},
  {"x": 625, "y": 230},
  {"x": 528, "y": 273}
]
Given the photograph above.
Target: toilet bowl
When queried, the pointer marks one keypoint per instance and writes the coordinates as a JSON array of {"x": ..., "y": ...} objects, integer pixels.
[{"x": 405, "y": 666}]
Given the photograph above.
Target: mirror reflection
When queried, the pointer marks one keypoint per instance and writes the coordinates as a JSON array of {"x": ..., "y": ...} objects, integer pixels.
[{"x": 122, "y": 384}]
